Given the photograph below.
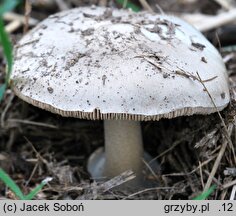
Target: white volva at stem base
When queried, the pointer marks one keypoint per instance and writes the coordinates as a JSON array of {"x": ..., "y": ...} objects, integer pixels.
[{"x": 123, "y": 151}]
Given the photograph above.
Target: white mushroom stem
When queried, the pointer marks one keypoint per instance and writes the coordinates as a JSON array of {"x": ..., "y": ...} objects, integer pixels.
[{"x": 123, "y": 147}]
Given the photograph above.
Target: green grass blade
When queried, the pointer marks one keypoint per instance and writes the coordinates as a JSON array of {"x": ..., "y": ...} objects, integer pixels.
[
  {"x": 2, "y": 90},
  {"x": 7, "y": 48},
  {"x": 33, "y": 193},
  {"x": 7, "y": 5},
  {"x": 11, "y": 184},
  {"x": 130, "y": 5},
  {"x": 206, "y": 194}
]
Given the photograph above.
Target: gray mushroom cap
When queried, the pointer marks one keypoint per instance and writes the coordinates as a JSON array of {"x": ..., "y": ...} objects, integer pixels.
[{"x": 98, "y": 63}]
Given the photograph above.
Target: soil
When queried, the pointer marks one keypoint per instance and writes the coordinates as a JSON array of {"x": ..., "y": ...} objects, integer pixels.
[{"x": 35, "y": 144}]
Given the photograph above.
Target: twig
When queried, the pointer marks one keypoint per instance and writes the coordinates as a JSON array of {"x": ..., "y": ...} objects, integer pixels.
[
  {"x": 218, "y": 41},
  {"x": 216, "y": 164},
  {"x": 12, "y": 26},
  {"x": 102, "y": 3},
  {"x": 10, "y": 16},
  {"x": 232, "y": 196},
  {"x": 145, "y": 5},
  {"x": 32, "y": 123},
  {"x": 206, "y": 22},
  {"x": 32, "y": 174},
  {"x": 201, "y": 175},
  {"x": 215, "y": 180},
  {"x": 228, "y": 57},
  {"x": 116, "y": 181},
  {"x": 210, "y": 79},
  {"x": 229, "y": 184},
  {"x": 38, "y": 155},
  {"x": 189, "y": 75},
  {"x": 27, "y": 15},
  {"x": 202, "y": 164},
  {"x": 17, "y": 20},
  {"x": 150, "y": 169},
  {"x": 194, "y": 170},
  {"x": 62, "y": 5},
  {"x": 179, "y": 72},
  {"x": 223, "y": 195},
  {"x": 160, "y": 9},
  {"x": 176, "y": 143},
  {"x": 6, "y": 109},
  {"x": 146, "y": 190}
]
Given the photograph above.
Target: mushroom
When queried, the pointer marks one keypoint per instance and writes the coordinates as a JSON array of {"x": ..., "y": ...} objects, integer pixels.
[{"x": 121, "y": 67}]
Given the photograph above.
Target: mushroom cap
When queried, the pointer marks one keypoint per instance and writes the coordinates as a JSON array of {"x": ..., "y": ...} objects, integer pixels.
[{"x": 101, "y": 63}]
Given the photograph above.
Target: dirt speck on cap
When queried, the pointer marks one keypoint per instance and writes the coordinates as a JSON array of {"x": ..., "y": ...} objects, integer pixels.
[
  {"x": 222, "y": 95},
  {"x": 50, "y": 90},
  {"x": 199, "y": 46},
  {"x": 203, "y": 59}
]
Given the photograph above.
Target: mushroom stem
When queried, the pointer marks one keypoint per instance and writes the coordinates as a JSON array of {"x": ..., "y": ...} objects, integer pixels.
[{"x": 123, "y": 147}]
